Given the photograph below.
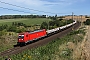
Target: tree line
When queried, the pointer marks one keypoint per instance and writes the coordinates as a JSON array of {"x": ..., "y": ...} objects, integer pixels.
[
  {"x": 21, "y": 16},
  {"x": 30, "y": 16},
  {"x": 55, "y": 23}
]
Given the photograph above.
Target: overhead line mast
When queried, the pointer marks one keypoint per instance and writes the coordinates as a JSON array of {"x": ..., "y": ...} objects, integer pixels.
[{"x": 72, "y": 19}]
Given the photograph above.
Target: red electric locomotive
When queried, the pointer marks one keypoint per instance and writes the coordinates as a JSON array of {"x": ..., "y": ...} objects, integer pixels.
[{"x": 26, "y": 37}]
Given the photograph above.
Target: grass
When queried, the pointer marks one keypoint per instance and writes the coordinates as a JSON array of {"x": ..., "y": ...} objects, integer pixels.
[
  {"x": 8, "y": 41},
  {"x": 56, "y": 50},
  {"x": 27, "y": 21}
]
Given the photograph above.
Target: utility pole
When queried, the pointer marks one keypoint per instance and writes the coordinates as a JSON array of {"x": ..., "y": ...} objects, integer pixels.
[
  {"x": 81, "y": 20},
  {"x": 77, "y": 18},
  {"x": 72, "y": 19},
  {"x": 72, "y": 15}
]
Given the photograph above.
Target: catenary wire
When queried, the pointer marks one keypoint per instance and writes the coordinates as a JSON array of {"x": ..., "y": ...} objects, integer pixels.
[
  {"x": 16, "y": 10},
  {"x": 29, "y": 8}
]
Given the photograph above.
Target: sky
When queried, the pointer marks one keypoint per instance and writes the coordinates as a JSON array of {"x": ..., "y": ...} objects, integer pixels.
[{"x": 47, "y": 7}]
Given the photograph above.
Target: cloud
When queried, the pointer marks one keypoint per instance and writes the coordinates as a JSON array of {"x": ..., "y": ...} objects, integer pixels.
[
  {"x": 35, "y": 3},
  {"x": 41, "y": 5}
]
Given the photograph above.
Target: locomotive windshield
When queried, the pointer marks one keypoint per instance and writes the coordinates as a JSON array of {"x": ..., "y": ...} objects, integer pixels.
[{"x": 21, "y": 36}]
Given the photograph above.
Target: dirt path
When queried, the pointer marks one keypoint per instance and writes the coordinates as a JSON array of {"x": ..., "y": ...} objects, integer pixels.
[
  {"x": 87, "y": 44},
  {"x": 82, "y": 49}
]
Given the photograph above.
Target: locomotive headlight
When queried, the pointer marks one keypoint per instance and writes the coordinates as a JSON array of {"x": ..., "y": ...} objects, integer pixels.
[{"x": 22, "y": 39}]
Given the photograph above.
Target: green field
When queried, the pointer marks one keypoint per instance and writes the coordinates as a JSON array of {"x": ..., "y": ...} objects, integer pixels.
[{"x": 27, "y": 21}]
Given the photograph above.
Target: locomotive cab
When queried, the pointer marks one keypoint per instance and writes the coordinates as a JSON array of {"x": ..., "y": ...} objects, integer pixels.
[{"x": 21, "y": 38}]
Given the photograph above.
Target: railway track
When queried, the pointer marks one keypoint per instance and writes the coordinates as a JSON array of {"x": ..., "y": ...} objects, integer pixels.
[{"x": 41, "y": 42}]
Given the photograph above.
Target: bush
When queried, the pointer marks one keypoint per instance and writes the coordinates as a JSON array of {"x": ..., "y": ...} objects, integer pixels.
[
  {"x": 12, "y": 29},
  {"x": 20, "y": 30},
  {"x": 87, "y": 22},
  {"x": 2, "y": 32}
]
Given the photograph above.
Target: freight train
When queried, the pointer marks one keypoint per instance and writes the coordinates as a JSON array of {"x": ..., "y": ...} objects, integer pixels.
[{"x": 27, "y": 37}]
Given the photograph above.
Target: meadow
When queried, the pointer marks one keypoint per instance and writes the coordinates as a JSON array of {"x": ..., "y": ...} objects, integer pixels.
[{"x": 27, "y": 21}]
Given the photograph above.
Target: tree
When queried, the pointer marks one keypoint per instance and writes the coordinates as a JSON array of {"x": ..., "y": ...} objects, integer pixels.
[{"x": 44, "y": 25}]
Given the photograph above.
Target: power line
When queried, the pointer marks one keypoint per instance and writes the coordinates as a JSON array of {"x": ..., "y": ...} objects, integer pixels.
[
  {"x": 29, "y": 8},
  {"x": 15, "y": 10}
]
